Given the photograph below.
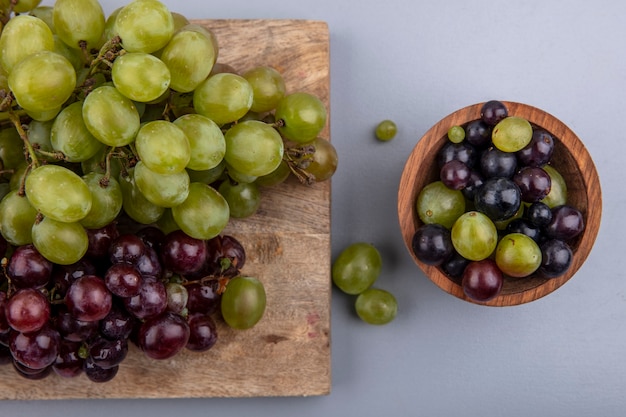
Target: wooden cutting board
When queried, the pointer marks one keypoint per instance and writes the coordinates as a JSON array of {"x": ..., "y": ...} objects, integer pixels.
[{"x": 288, "y": 248}]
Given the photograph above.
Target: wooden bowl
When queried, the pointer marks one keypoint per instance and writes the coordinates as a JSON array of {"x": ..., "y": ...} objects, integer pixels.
[{"x": 570, "y": 158}]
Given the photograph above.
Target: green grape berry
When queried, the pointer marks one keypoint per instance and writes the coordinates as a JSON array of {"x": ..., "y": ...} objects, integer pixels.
[
  {"x": 439, "y": 204},
  {"x": 376, "y": 306},
  {"x": 518, "y": 255},
  {"x": 356, "y": 268},
  {"x": 253, "y": 148},
  {"x": 386, "y": 130},
  {"x": 302, "y": 116},
  {"x": 60, "y": 242},
  {"x": 140, "y": 77},
  {"x": 243, "y": 302},
  {"x": 474, "y": 236},
  {"x": 58, "y": 193},
  {"x": 512, "y": 134},
  {"x": 456, "y": 134}
]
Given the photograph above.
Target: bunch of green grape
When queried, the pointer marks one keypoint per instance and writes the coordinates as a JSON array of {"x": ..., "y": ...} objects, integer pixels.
[
  {"x": 354, "y": 272},
  {"x": 132, "y": 114},
  {"x": 130, "y": 119}
]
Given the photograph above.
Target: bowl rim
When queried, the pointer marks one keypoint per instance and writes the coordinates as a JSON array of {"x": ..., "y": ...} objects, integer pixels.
[{"x": 431, "y": 141}]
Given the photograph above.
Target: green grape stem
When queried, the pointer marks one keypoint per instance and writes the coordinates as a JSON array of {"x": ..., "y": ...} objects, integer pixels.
[
  {"x": 107, "y": 54},
  {"x": 30, "y": 151},
  {"x": 298, "y": 159}
]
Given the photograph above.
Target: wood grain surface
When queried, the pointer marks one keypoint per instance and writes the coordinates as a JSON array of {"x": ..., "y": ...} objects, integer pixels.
[
  {"x": 288, "y": 248},
  {"x": 570, "y": 158}
]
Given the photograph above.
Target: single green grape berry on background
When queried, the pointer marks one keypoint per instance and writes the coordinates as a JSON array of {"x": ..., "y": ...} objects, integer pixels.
[
  {"x": 356, "y": 268},
  {"x": 376, "y": 306},
  {"x": 456, "y": 134},
  {"x": 386, "y": 130}
]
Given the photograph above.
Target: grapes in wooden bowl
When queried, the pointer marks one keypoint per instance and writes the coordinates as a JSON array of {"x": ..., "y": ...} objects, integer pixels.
[{"x": 499, "y": 203}]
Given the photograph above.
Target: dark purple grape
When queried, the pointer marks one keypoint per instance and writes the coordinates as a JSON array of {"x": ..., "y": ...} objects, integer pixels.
[
  {"x": 539, "y": 151},
  {"x": 498, "y": 198},
  {"x": 556, "y": 258},
  {"x": 64, "y": 275},
  {"x": 28, "y": 268},
  {"x": 151, "y": 300},
  {"x": 68, "y": 363},
  {"x": 123, "y": 280},
  {"x": 454, "y": 266},
  {"x": 482, "y": 280},
  {"x": 27, "y": 310},
  {"x": 493, "y": 111},
  {"x": 106, "y": 353},
  {"x": 432, "y": 244},
  {"x": 88, "y": 298},
  {"x": 72, "y": 329},
  {"x": 152, "y": 236},
  {"x": 534, "y": 183},
  {"x": 118, "y": 324},
  {"x": 97, "y": 374},
  {"x": 478, "y": 134},
  {"x": 202, "y": 332},
  {"x": 149, "y": 263},
  {"x": 226, "y": 256},
  {"x": 455, "y": 175},
  {"x": 35, "y": 350},
  {"x": 203, "y": 298},
  {"x": 31, "y": 374},
  {"x": 163, "y": 336},
  {"x": 126, "y": 248},
  {"x": 567, "y": 222},
  {"x": 100, "y": 241},
  {"x": 495, "y": 163},
  {"x": 525, "y": 227},
  {"x": 463, "y": 152},
  {"x": 474, "y": 183},
  {"x": 183, "y": 254},
  {"x": 539, "y": 214}
]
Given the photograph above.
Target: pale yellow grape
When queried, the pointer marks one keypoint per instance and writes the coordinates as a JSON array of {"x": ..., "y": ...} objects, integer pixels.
[
  {"x": 164, "y": 190},
  {"x": 223, "y": 98},
  {"x": 58, "y": 193},
  {"x": 22, "y": 36},
  {"x": 163, "y": 147},
  {"x": 144, "y": 26},
  {"x": 17, "y": 217},
  {"x": 204, "y": 214},
  {"x": 110, "y": 116},
  {"x": 107, "y": 200},
  {"x": 205, "y": 139},
  {"x": 77, "y": 21},
  {"x": 70, "y": 135},
  {"x": 59, "y": 242},
  {"x": 140, "y": 77},
  {"x": 180, "y": 21},
  {"x": 135, "y": 203},
  {"x": 190, "y": 56},
  {"x": 43, "y": 81},
  {"x": 23, "y": 6}
]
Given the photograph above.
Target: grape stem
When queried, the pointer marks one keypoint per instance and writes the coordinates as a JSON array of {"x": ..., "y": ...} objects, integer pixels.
[{"x": 30, "y": 151}]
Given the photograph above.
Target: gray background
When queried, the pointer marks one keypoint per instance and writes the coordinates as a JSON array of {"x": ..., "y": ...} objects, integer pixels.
[{"x": 416, "y": 62}]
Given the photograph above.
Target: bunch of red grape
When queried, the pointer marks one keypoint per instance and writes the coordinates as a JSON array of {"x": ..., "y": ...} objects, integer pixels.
[{"x": 125, "y": 150}]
